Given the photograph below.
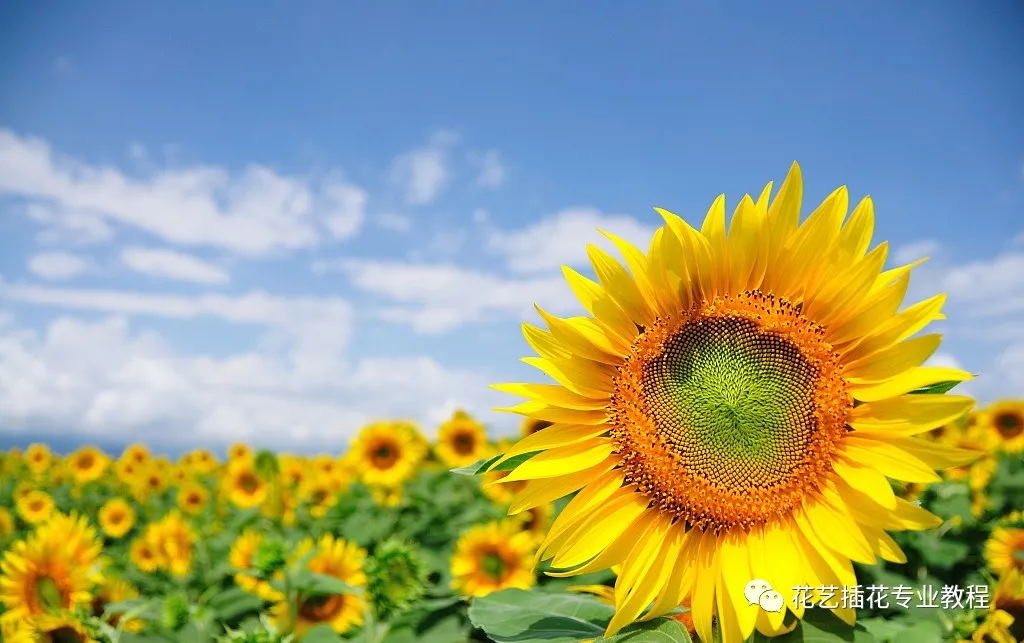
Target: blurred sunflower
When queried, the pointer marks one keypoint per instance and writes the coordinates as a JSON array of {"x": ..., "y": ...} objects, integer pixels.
[
  {"x": 199, "y": 461},
  {"x": 386, "y": 453},
  {"x": 111, "y": 591},
  {"x": 39, "y": 575},
  {"x": 171, "y": 540},
  {"x": 38, "y": 458},
  {"x": 293, "y": 470},
  {"x": 143, "y": 555},
  {"x": 243, "y": 485},
  {"x": 116, "y": 517},
  {"x": 338, "y": 559},
  {"x": 531, "y": 426},
  {"x": 239, "y": 451},
  {"x": 6, "y": 523},
  {"x": 493, "y": 557},
  {"x": 462, "y": 441},
  {"x": 149, "y": 481},
  {"x": 137, "y": 454},
  {"x": 386, "y": 496},
  {"x": 1004, "y": 549},
  {"x": 1005, "y": 422},
  {"x": 35, "y": 506},
  {"x": 536, "y": 521},
  {"x": 61, "y": 627},
  {"x": 980, "y": 472},
  {"x": 318, "y": 494},
  {"x": 241, "y": 558},
  {"x": 17, "y": 632},
  {"x": 500, "y": 494},
  {"x": 127, "y": 471},
  {"x": 73, "y": 535},
  {"x": 87, "y": 464},
  {"x": 1008, "y": 598},
  {"x": 739, "y": 389},
  {"x": 192, "y": 498}
]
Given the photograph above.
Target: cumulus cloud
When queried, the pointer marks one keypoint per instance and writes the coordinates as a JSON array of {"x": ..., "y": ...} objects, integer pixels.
[
  {"x": 395, "y": 222},
  {"x": 562, "y": 238},
  {"x": 252, "y": 212},
  {"x": 57, "y": 265},
  {"x": 915, "y": 250},
  {"x": 172, "y": 264},
  {"x": 106, "y": 378},
  {"x": 423, "y": 173}
]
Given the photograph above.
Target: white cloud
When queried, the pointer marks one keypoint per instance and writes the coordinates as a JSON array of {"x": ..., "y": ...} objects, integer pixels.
[
  {"x": 423, "y": 172},
  {"x": 481, "y": 216},
  {"x": 995, "y": 282},
  {"x": 171, "y": 264},
  {"x": 107, "y": 379},
  {"x": 434, "y": 298},
  {"x": 914, "y": 251},
  {"x": 252, "y": 212},
  {"x": 492, "y": 171},
  {"x": 57, "y": 265},
  {"x": 395, "y": 222},
  {"x": 68, "y": 227},
  {"x": 562, "y": 238}
]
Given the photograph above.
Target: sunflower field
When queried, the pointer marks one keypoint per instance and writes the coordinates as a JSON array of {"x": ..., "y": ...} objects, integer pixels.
[{"x": 742, "y": 442}]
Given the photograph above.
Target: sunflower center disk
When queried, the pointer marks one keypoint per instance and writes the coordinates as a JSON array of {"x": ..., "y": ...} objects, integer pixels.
[{"x": 730, "y": 414}]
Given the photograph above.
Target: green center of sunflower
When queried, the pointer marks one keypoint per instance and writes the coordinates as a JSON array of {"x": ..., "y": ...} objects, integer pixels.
[
  {"x": 48, "y": 594},
  {"x": 493, "y": 566},
  {"x": 730, "y": 414},
  {"x": 735, "y": 405}
]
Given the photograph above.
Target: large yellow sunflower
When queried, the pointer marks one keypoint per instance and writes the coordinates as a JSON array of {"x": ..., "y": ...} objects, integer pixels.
[
  {"x": 493, "y": 557},
  {"x": 735, "y": 403},
  {"x": 386, "y": 453},
  {"x": 35, "y": 506},
  {"x": 87, "y": 464},
  {"x": 339, "y": 559},
  {"x": 462, "y": 441},
  {"x": 116, "y": 517},
  {"x": 39, "y": 575},
  {"x": 1005, "y": 422},
  {"x": 73, "y": 535}
]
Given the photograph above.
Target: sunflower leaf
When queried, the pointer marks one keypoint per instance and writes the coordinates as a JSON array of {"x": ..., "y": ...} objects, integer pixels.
[
  {"x": 936, "y": 389},
  {"x": 527, "y": 617},
  {"x": 321, "y": 633},
  {"x": 483, "y": 466},
  {"x": 660, "y": 630}
]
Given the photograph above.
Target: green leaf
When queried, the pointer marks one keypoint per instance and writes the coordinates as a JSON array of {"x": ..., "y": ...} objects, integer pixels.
[
  {"x": 523, "y": 617},
  {"x": 232, "y": 603},
  {"x": 936, "y": 389},
  {"x": 483, "y": 466},
  {"x": 820, "y": 626},
  {"x": 941, "y": 553},
  {"x": 321, "y": 634},
  {"x": 659, "y": 630}
]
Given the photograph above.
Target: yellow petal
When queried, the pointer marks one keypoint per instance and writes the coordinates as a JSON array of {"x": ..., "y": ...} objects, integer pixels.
[
  {"x": 736, "y": 573},
  {"x": 933, "y": 454},
  {"x": 706, "y": 571},
  {"x": 579, "y": 375},
  {"x": 563, "y": 460},
  {"x": 540, "y": 492},
  {"x": 905, "y": 382},
  {"x": 838, "y": 529},
  {"x": 576, "y": 340},
  {"x": 909, "y": 414},
  {"x": 903, "y": 325},
  {"x": 620, "y": 285},
  {"x": 867, "y": 480},
  {"x": 893, "y": 360},
  {"x": 554, "y": 395},
  {"x": 605, "y": 524},
  {"x": 893, "y": 462},
  {"x": 597, "y": 302},
  {"x": 553, "y": 437},
  {"x": 713, "y": 229}
]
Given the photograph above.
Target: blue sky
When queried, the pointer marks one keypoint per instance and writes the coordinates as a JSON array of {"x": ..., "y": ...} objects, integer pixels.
[{"x": 276, "y": 222}]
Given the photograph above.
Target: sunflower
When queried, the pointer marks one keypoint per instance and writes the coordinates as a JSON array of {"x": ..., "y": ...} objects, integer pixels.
[
  {"x": 1005, "y": 421},
  {"x": 109, "y": 592},
  {"x": 1004, "y": 549},
  {"x": 531, "y": 426},
  {"x": 293, "y": 470},
  {"x": 240, "y": 557},
  {"x": 740, "y": 389},
  {"x": 319, "y": 494},
  {"x": 462, "y": 441},
  {"x": 116, "y": 517},
  {"x": 149, "y": 481},
  {"x": 199, "y": 461},
  {"x": 389, "y": 497},
  {"x": 168, "y": 545},
  {"x": 239, "y": 451},
  {"x": 127, "y": 471},
  {"x": 143, "y": 555},
  {"x": 501, "y": 494},
  {"x": 62, "y": 627},
  {"x": 17, "y": 632},
  {"x": 492, "y": 557},
  {"x": 6, "y": 523},
  {"x": 536, "y": 521},
  {"x": 39, "y": 575},
  {"x": 980, "y": 472},
  {"x": 386, "y": 453},
  {"x": 136, "y": 453},
  {"x": 243, "y": 485},
  {"x": 338, "y": 559},
  {"x": 192, "y": 498},
  {"x": 35, "y": 506},
  {"x": 38, "y": 458},
  {"x": 76, "y": 538},
  {"x": 87, "y": 464},
  {"x": 1008, "y": 598}
]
